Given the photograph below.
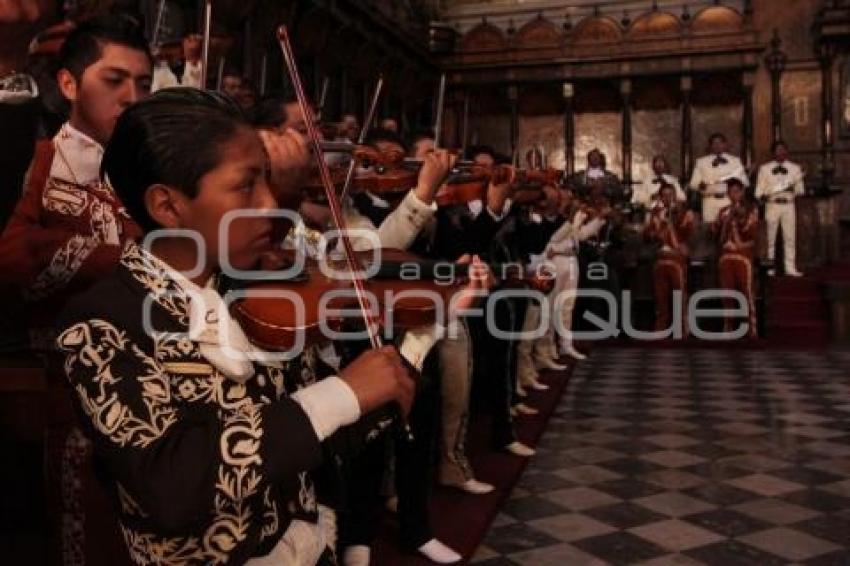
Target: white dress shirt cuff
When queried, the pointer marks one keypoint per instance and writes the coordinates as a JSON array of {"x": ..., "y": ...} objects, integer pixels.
[
  {"x": 415, "y": 203},
  {"x": 329, "y": 404}
]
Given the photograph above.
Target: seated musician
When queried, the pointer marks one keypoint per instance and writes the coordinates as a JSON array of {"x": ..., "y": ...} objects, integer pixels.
[
  {"x": 648, "y": 194},
  {"x": 596, "y": 174},
  {"x": 68, "y": 229},
  {"x": 736, "y": 229},
  {"x": 671, "y": 225},
  {"x": 208, "y": 451}
]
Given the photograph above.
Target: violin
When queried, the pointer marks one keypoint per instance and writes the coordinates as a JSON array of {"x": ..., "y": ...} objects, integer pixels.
[
  {"x": 278, "y": 312},
  {"x": 380, "y": 172},
  {"x": 469, "y": 182}
]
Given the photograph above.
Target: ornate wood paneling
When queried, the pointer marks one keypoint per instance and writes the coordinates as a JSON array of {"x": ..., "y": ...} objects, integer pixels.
[
  {"x": 595, "y": 30},
  {"x": 539, "y": 32},
  {"x": 655, "y": 24},
  {"x": 717, "y": 19}
]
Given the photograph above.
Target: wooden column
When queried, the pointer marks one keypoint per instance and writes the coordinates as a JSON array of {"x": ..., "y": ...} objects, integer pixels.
[
  {"x": 513, "y": 96},
  {"x": 747, "y": 122},
  {"x": 826, "y": 56},
  {"x": 626, "y": 98},
  {"x": 687, "y": 156},
  {"x": 568, "y": 92},
  {"x": 775, "y": 63}
]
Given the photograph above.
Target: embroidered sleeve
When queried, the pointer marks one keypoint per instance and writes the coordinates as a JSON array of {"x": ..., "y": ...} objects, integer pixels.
[
  {"x": 181, "y": 461},
  {"x": 59, "y": 237}
]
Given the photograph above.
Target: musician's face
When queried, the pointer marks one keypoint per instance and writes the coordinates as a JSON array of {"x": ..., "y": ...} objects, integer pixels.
[
  {"x": 736, "y": 194},
  {"x": 484, "y": 159},
  {"x": 350, "y": 126},
  {"x": 423, "y": 147},
  {"x": 718, "y": 146},
  {"x": 659, "y": 166},
  {"x": 230, "y": 86},
  {"x": 389, "y": 147},
  {"x": 390, "y": 124},
  {"x": 781, "y": 153},
  {"x": 105, "y": 89},
  {"x": 594, "y": 159},
  {"x": 238, "y": 182}
]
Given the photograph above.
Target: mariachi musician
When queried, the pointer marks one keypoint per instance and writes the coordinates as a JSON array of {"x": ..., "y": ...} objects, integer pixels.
[
  {"x": 710, "y": 174},
  {"x": 671, "y": 225},
  {"x": 780, "y": 182},
  {"x": 736, "y": 228}
]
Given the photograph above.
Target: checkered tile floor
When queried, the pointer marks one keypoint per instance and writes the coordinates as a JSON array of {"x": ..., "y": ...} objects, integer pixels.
[{"x": 688, "y": 457}]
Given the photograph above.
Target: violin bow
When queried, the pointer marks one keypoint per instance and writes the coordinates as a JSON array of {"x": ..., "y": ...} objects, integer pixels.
[
  {"x": 438, "y": 120},
  {"x": 205, "y": 55},
  {"x": 324, "y": 173},
  {"x": 323, "y": 98},
  {"x": 157, "y": 24},
  {"x": 361, "y": 139},
  {"x": 372, "y": 326}
]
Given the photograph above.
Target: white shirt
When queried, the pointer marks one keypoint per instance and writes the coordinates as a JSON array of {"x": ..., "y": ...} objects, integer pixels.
[
  {"x": 715, "y": 176},
  {"x": 78, "y": 157},
  {"x": 772, "y": 181},
  {"x": 476, "y": 207}
]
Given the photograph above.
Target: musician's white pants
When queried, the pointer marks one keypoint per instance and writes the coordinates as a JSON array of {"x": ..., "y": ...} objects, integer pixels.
[
  {"x": 566, "y": 283},
  {"x": 711, "y": 207},
  {"x": 784, "y": 215}
]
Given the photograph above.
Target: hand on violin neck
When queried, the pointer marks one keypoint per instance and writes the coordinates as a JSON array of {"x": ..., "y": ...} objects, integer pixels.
[
  {"x": 435, "y": 168},
  {"x": 289, "y": 158},
  {"x": 378, "y": 377}
]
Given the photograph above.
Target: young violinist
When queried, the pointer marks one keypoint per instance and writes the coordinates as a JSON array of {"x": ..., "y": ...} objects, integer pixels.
[
  {"x": 671, "y": 225},
  {"x": 398, "y": 218},
  {"x": 582, "y": 223},
  {"x": 208, "y": 452},
  {"x": 68, "y": 229},
  {"x": 481, "y": 227},
  {"x": 736, "y": 229},
  {"x": 455, "y": 367},
  {"x": 537, "y": 225}
]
